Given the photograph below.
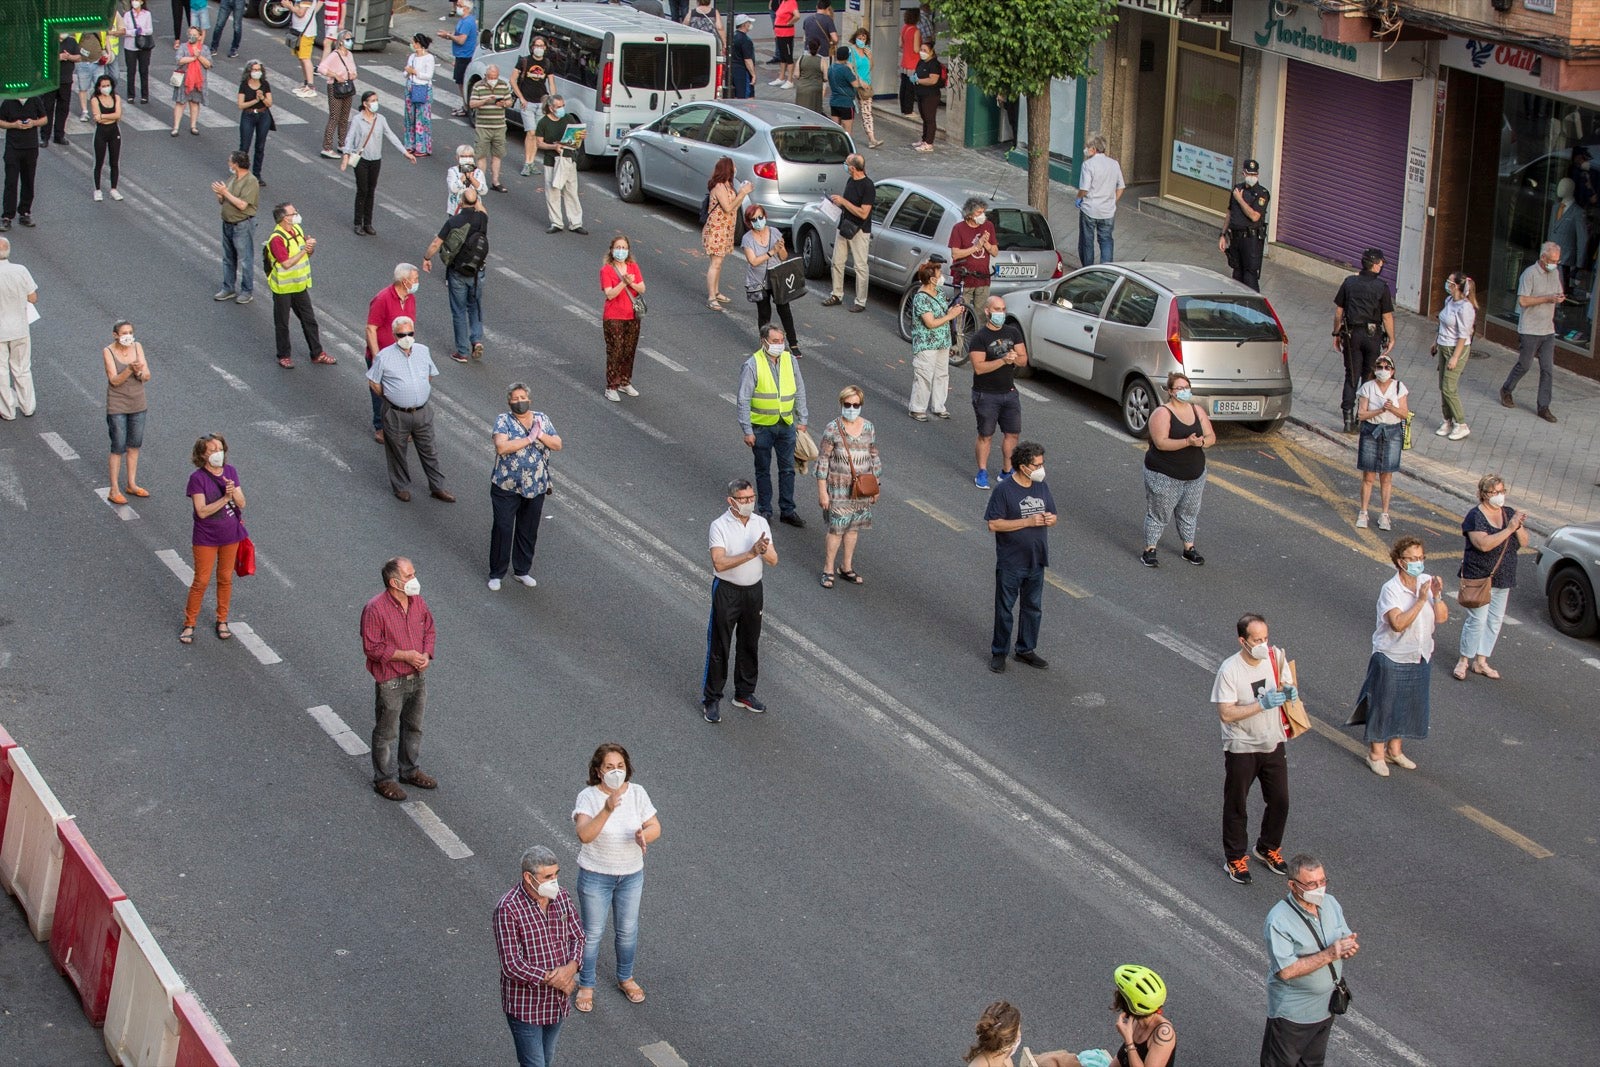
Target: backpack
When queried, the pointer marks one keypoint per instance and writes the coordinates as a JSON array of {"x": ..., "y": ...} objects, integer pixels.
[
  {"x": 705, "y": 209},
  {"x": 474, "y": 252},
  {"x": 705, "y": 23},
  {"x": 944, "y": 76}
]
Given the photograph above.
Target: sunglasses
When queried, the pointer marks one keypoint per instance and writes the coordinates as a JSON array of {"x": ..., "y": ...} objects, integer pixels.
[{"x": 411, "y": 334}]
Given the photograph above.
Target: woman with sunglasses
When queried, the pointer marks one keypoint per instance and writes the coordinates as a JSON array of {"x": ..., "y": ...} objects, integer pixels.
[
  {"x": 1393, "y": 704},
  {"x": 1381, "y": 410}
]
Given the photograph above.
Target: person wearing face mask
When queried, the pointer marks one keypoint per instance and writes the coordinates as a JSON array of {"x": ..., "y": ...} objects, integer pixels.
[
  {"x": 1175, "y": 469},
  {"x": 616, "y": 823},
  {"x": 523, "y": 441},
  {"x": 255, "y": 113},
  {"x": 622, "y": 284},
  {"x": 419, "y": 97},
  {"x": 1100, "y": 189},
  {"x": 742, "y": 62},
  {"x": 926, "y": 77},
  {"x": 127, "y": 371},
  {"x": 972, "y": 241},
  {"x": 395, "y": 301},
  {"x": 1250, "y": 688},
  {"x": 861, "y": 62},
  {"x": 854, "y": 236},
  {"x": 723, "y": 204},
  {"x": 397, "y": 635},
  {"x": 764, "y": 248},
  {"x": 193, "y": 61},
  {"x": 1394, "y": 703},
  {"x": 488, "y": 100},
  {"x": 218, "y": 505},
  {"x": 771, "y": 397},
  {"x": 303, "y": 26},
  {"x": 1363, "y": 328},
  {"x": 849, "y": 449},
  {"x": 811, "y": 78},
  {"x": 1540, "y": 292},
  {"x": 1308, "y": 941},
  {"x": 741, "y": 545},
  {"x": 364, "y": 146},
  {"x": 530, "y": 81},
  {"x": 540, "y": 939},
  {"x": 239, "y": 196},
  {"x": 1494, "y": 533},
  {"x": 1244, "y": 235},
  {"x": 560, "y": 170},
  {"x": 338, "y": 66},
  {"x": 107, "y": 110},
  {"x": 464, "y": 242},
  {"x": 1452, "y": 347},
  {"x": 1381, "y": 410},
  {"x": 930, "y": 344},
  {"x": 402, "y": 375},
  {"x": 290, "y": 251},
  {"x": 997, "y": 350},
  {"x": 138, "y": 42},
  {"x": 1020, "y": 514},
  {"x": 998, "y": 1035},
  {"x": 17, "y": 291},
  {"x": 466, "y": 174}
]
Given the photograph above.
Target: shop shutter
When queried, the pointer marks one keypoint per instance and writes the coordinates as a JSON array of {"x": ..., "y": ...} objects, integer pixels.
[{"x": 1342, "y": 180}]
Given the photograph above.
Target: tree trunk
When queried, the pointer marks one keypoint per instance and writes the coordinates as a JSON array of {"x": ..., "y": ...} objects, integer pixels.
[{"x": 1039, "y": 151}]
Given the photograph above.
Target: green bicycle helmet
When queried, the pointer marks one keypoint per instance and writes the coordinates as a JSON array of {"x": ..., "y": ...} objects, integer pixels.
[{"x": 1142, "y": 989}]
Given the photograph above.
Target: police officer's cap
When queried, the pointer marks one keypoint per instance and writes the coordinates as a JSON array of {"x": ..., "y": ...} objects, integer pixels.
[{"x": 1252, "y": 167}]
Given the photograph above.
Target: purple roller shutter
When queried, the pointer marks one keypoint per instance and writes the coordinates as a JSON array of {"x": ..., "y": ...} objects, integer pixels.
[{"x": 1341, "y": 185}]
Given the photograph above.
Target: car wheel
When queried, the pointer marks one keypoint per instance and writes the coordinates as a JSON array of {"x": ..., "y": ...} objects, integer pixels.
[
  {"x": 1267, "y": 425},
  {"x": 275, "y": 14},
  {"x": 1571, "y": 600},
  {"x": 584, "y": 160},
  {"x": 1138, "y": 401},
  {"x": 905, "y": 312},
  {"x": 630, "y": 186},
  {"x": 811, "y": 258}
]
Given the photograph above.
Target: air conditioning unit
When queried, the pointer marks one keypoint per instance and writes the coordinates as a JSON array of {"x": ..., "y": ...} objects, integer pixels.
[{"x": 1501, "y": 6}]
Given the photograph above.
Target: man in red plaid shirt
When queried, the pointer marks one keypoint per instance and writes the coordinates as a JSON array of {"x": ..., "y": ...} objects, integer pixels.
[{"x": 540, "y": 938}]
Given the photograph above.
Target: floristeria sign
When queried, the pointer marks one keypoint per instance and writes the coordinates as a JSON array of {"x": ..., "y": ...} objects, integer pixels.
[{"x": 1295, "y": 30}]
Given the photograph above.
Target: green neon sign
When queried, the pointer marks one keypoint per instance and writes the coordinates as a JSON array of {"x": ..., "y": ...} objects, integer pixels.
[{"x": 30, "y": 34}]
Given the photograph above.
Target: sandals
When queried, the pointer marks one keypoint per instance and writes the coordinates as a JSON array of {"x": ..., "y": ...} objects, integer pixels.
[
  {"x": 723, "y": 299},
  {"x": 1487, "y": 671},
  {"x": 852, "y": 577},
  {"x": 827, "y": 579},
  {"x": 632, "y": 991},
  {"x": 1459, "y": 673},
  {"x": 138, "y": 490},
  {"x": 584, "y": 1001},
  {"x": 186, "y": 635},
  {"x": 116, "y": 497},
  {"x": 223, "y": 633},
  {"x": 713, "y": 305}
]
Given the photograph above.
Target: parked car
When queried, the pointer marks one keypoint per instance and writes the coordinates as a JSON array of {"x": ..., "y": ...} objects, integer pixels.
[
  {"x": 1569, "y": 571},
  {"x": 1120, "y": 328},
  {"x": 791, "y": 155},
  {"x": 911, "y": 222}
]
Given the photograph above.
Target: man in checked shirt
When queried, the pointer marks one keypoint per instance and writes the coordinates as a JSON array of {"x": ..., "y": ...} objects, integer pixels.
[{"x": 540, "y": 938}]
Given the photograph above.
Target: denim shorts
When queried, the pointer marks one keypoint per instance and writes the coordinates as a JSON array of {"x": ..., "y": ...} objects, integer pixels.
[
  {"x": 127, "y": 431},
  {"x": 997, "y": 409},
  {"x": 1379, "y": 450}
]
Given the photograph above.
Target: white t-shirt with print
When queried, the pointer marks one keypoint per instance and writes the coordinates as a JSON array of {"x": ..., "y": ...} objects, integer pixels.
[
  {"x": 1240, "y": 682},
  {"x": 614, "y": 851}
]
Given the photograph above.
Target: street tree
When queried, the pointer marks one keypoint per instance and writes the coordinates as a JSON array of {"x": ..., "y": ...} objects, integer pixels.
[{"x": 1017, "y": 48}]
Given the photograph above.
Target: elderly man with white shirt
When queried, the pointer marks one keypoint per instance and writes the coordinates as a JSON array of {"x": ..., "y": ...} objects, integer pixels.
[
  {"x": 741, "y": 543},
  {"x": 1100, "y": 187},
  {"x": 402, "y": 375},
  {"x": 17, "y": 295}
]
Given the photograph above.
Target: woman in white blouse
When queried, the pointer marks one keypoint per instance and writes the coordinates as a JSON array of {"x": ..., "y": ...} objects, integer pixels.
[
  {"x": 1452, "y": 348},
  {"x": 616, "y": 823},
  {"x": 1382, "y": 410},
  {"x": 418, "y": 131},
  {"x": 1394, "y": 699}
]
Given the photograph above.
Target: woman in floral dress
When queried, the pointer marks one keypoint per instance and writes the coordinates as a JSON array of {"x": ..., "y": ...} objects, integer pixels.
[
  {"x": 716, "y": 237},
  {"x": 849, "y": 447}
]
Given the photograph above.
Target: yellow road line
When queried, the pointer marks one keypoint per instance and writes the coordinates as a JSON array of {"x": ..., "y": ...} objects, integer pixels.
[
  {"x": 1381, "y": 556},
  {"x": 1067, "y": 587},
  {"x": 1333, "y": 734},
  {"x": 936, "y": 515},
  {"x": 1337, "y": 501},
  {"x": 1501, "y": 830}
]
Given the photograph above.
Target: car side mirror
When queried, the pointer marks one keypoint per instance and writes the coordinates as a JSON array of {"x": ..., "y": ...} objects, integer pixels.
[
  {"x": 1040, "y": 296},
  {"x": 486, "y": 39}
]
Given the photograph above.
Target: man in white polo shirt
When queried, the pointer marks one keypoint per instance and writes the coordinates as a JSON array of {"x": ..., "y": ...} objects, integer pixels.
[
  {"x": 17, "y": 291},
  {"x": 741, "y": 543},
  {"x": 1100, "y": 186}
]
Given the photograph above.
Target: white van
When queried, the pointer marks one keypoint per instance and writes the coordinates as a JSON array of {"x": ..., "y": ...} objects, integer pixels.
[{"x": 617, "y": 68}]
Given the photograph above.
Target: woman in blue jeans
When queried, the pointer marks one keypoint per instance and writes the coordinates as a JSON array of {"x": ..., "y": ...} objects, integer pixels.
[{"x": 615, "y": 822}]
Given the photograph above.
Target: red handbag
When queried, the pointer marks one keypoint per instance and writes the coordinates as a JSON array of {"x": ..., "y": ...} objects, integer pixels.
[{"x": 244, "y": 559}]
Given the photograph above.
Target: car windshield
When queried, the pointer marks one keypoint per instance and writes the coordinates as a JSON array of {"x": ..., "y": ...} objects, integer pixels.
[
  {"x": 811, "y": 144},
  {"x": 1021, "y": 230},
  {"x": 1227, "y": 318}
]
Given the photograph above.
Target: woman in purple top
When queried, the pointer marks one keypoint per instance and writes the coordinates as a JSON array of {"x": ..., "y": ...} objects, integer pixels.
[{"x": 218, "y": 529}]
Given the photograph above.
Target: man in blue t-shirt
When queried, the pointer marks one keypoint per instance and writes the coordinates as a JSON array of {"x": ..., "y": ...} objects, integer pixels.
[
  {"x": 463, "y": 44},
  {"x": 742, "y": 62},
  {"x": 1020, "y": 514}
]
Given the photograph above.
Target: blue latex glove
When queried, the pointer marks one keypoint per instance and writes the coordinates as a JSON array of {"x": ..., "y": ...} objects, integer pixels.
[
  {"x": 1272, "y": 698},
  {"x": 1094, "y": 1057},
  {"x": 1291, "y": 692}
]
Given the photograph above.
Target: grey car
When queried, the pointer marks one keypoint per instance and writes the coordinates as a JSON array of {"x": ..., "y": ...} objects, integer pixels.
[
  {"x": 790, "y": 155},
  {"x": 911, "y": 222},
  {"x": 1569, "y": 571},
  {"x": 1119, "y": 329}
]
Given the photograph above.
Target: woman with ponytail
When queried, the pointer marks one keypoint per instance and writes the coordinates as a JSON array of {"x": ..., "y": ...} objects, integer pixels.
[{"x": 1452, "y": 349}]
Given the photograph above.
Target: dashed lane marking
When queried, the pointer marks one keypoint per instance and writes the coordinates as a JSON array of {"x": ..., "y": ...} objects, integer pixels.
[
  {"x": 662, "y": 1054},
  {"x": 1590, "y": 661},
  {"x": 440, "y": 834},
  {"x": 296, "y": 435},
  {"x": 177, "y": 565},
  {"x": 1032, "y": 394},
  {"x": 58, "y": 445},
  {"x": 1109, "y": 431},
  {"x": 583, "y": 313},
  {"x": 337, "y": 729},
  {"x": 729, "y": 397},
  {"x": 942, "y": 517},
  {"x": 10, "y": 481},
  {"x": 298, "y": 156},
  {"x": 1332, "y": 733},
  {"x": 124, "y": 512},
  {"x": 252, "y": 641},
  {"x": 234, "y": 381},
  {"x": 1067, "y": 587},
  {"x": 1504, "y": 832},
  {"x": 664, "y": 361},
  {"x": 1183, "y": 647}
]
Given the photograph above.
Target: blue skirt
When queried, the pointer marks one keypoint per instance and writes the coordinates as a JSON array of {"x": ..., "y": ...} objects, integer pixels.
[
  {"x": 1379, "y": 448},
  {"x": 1394, "y": 700}
]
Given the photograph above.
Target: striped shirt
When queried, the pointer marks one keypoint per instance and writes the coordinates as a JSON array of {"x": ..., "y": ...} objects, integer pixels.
[
  {"x": 489, "y": 116},
  {"x": 534, "y": 941}
]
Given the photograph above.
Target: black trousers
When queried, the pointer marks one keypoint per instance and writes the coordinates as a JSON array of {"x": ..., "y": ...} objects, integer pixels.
[
  {"x": 300, "y": 304},
  {"x": 908, "y": 93},
  {"x": 1287, "y": 1044},
  {"x": 1361, "y": 350},
  {"x": 1241, "y": 770},
  {"x": 20, "y": 165},
  {"x": 764, "y": 316},
  {"x": 733, "y": 608},
  {"x": 137, "y": 62},
  {"x": 1244, "y": 256},
  {"x": 107, "y": 146},
  {"x": 58, "y": 105},
  {"x": 928, "y": 108},
  {"x": 180, "y": 18},
  {"x": 366, "y": 189},
  {"x": 516, "y": 531}
]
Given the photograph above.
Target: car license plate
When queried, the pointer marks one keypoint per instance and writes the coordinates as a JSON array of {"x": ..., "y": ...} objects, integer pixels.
[
  {"x": 1016, "y": 270},
  {"x": 1236, "y": 407}
]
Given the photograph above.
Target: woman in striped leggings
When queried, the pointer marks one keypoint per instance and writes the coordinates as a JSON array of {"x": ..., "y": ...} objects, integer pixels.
[{"x": 1175, "y": 469}]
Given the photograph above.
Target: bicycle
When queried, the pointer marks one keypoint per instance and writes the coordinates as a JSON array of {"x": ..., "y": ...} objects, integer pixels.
[{"x": 961, "y": 326}]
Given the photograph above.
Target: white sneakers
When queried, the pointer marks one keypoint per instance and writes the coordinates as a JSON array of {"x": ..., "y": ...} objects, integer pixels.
[
  {"x": 1459, "y": 432},
  {"x": 494, "y": 585},
  {"x": 97, "y": 196},
  {"x": 528, "y": 580},
  {"x": 1383, "y": 520},
  {"x": 1361, "y": 520},
  {"x": 115, "y": 195},
  {"x": 1455, "y": 431},
  {"x": 629, "y": 390},
  {"x": 613, "y": 396},
  {"x": 776, "y": 81},
  {"x": 786, "y": 85},
  {"x": 1444, "y": 427}
]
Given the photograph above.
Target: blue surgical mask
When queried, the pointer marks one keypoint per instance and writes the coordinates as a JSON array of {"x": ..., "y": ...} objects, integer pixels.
[
  {"x": 758, "y": 224},
  {"x": 997, "y": 318},
  {"x": 850, "y": 411},
  {"x": 1184, "y": 395},
  {"x": 619, "y": 254},
  {"x": 1416, "y": 567}
]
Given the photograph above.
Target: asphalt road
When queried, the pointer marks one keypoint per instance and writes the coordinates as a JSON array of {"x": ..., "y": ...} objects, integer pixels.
[{"x": 848, "y": 879}]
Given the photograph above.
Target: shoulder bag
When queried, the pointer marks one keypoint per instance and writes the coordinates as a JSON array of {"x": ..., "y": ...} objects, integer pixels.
[
  {"x": 418, "y": 93},
  {"x": 862, "y": 486},
  {"x": 244, "y": 558},
  {"x": 346, "y": 89},
  {"x": 1475, "y": 592},
  {"x": 352, "y": 158},
  {"x": 143, "y": 42},
  {"x": 1296, "y": 720},
  {"x": 1339, "y": 999}
]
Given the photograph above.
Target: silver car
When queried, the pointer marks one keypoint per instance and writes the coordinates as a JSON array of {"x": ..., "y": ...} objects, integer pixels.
[
  {"x": 790, "y": 155},
  {"x": 1120, "y": 328},
  {"x": 911, "y": 222},
  {"x": 1569, "y": 571}
]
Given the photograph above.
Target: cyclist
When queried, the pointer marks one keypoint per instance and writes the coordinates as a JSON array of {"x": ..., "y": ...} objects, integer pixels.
[{"x": 1148, "y": 1037}]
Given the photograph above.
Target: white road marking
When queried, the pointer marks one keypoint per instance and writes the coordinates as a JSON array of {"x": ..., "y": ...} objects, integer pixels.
[
  {"x": 394, "y": 76},
  {"x": 583, "y": 313},
  {"x": 251, "y": 640},
  {"x": 936, "y": 515},
  {"x": 396, "y": 209},
  {"x": 233, "y": 380},
  {"x": 272, "y": 569},
  {"x": 124, "y": 512},
  {"x": 460, "y": 409},
  {"x": 664, "y": 361},
  {"x": 143, "y": 121},
  {"x": 440, "y": 834},
  {"x": 1590, "y": 661},
  {"x": 663, "y": 1054},
  {"x": 298, "y": 156},
  {"x": 674, "y": 223},
  {"x": 1109, "y": 431},
  {"x": 336, "y": 728},
  {"x": 177, "y": 565},
  {"x": 1032, "y": 394},
  {"x": 58, "y": 445},
  {"x": 729, "y": 397},
  {"x": 349, "y": 349},
  {"x": 294, "y": 435},
  {"x": 1509, "y": 621},
  {"x": 10, "y": 483},
  {"x": 1193, "y": 653}
]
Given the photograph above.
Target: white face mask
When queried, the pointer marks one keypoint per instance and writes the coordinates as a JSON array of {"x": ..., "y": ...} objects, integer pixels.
[
  {"x": 619, "y": 254},
  {"x": 105, "y": 90},
  {"x": 744, "y": 511},
  {"x": 614, "y": 778},
  {"x": 549, "y": 890},
  {"x": 295, "y": 218},
  {"x": 1260, "y": 651},
  {"x": 1037, "y": 476},
  {"x": 1383, "y": 375},
  {"x": 775, "y": 349},
  {"x": 216, "y": 458},
  {"x": 1314, "y": 896},
  {"x": 372, "y": 106},
  {"x": 538, "y": 53},
  {"x": 1548, "y": 266},
  {"x": 979, "y": 219},
  {"x": 850, "y": 411},
  {"x": 1498, "y": 500},
  {"x": 125, "y": 339},
  {"x": 405, "y": 343},
  {"x": 412, "y": 587},
  {"x": 1250, "y": 179}
]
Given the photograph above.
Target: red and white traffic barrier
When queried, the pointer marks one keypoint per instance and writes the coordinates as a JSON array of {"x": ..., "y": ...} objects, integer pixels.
[
  {"x": 31, "y": 850},
  {"x": 141, "y": 1027},
  {"x": 83, "y": 942},
  {"x": 6, "y": 745},
  {"x": 199, "y": 1044}
]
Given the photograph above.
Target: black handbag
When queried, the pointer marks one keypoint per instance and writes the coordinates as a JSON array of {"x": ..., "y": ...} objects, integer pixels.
[
  {"x": 1339, "y": 999},
  {"x": 787, "y": 281},
  {"x": 346, "y": 89},
  {"x": 143, "y": 42}
]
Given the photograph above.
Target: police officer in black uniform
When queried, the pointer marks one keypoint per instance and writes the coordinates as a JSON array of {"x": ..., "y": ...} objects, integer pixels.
[
  {"x": 1244, "y": 240},
  {"x": 1363, "y": 327}
]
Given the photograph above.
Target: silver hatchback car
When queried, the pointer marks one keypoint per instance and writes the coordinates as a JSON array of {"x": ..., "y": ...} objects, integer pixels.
[
  {"x": 791, "y": 156},
  {"x": 1120, "y": 328}
]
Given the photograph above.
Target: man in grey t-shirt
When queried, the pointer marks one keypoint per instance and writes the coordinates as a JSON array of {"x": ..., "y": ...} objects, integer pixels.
[
  {"x": 1539, "y": 293},
  {"x": 1100, "y": 186}
]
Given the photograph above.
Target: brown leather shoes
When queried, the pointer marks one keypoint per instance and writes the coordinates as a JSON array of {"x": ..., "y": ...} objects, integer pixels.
[
  {"x": 421, "y": 779},
  {"x": 388, "y": 790},
  {"x": 443, "y": 494},
  {"x": 403, "y": 496}
]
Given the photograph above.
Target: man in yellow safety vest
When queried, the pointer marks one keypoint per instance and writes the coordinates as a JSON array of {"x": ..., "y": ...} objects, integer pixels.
[
  {"x": 288, "y": 264},
  {"x": 771, "y": 395}
]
